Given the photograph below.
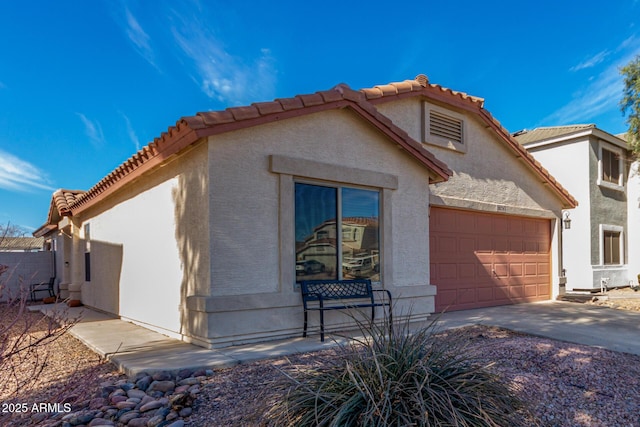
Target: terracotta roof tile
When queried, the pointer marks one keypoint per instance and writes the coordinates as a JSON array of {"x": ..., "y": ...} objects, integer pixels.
[
  {"x": 244, "y": 113},
  {"x": 211, "y": 118},
  {"x": 311, "y": 100},
  {"x": 190, "y": 129},
  {"x": 265, "y": 108},
  {"x": 290, "y": 103}
]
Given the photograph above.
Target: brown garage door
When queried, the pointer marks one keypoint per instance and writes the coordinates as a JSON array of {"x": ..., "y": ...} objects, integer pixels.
[{"x": 482, "y": 260}]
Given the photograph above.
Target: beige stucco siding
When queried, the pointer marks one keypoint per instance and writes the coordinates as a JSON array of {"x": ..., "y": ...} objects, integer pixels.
[
  {"x": 486, "y": 174},
  {"x": 253, "y": 293},
  {"x": 245, "y": 195},
  {"x": 149, "y": 245}
]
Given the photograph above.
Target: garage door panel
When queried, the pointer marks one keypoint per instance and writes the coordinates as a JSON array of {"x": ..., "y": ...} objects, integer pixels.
[{"x": 498, "y": 259}]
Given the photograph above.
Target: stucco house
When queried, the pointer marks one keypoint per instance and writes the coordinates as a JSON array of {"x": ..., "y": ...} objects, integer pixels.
[
  {"x": 595, "y": 166},
  {"x": 200, "y": 234}
]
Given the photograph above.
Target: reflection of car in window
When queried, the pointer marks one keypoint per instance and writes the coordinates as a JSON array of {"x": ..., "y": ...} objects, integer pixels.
[
  {"x": 309, "y": 267},
  {"x": 357, "y": 266}
]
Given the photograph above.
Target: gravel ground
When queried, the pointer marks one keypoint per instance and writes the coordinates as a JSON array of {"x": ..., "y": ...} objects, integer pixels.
[{"x": 565, "y": 384}]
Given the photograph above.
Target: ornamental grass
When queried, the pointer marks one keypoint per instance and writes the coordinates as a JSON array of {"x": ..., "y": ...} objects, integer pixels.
[{"x": 398, "y": 377}]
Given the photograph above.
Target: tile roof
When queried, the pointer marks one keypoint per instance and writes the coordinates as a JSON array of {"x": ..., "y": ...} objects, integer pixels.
[
  {"x": 21, "y": 243},
  {"x": 61, "y": 202},
  {"x": 421, "y": 87},
  {"x": 188, "y": 130},
  {"x": 542, "y": 133}
]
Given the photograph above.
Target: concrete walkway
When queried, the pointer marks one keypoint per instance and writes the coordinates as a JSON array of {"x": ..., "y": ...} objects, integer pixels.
[{"x": 135, "y": 349}]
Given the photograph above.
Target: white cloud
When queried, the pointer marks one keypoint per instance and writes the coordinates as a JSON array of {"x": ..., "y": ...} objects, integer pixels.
[
  {"x": 220, "y": 74},
  {"x": 93, "y": 130},
  {"x": 591, "y": 62},
  {"x": 19, "y": 175},
  {"x": 601, "y": 95},
  {"x": 140, "y": 39},
  {"x": 131, "y": 132}
]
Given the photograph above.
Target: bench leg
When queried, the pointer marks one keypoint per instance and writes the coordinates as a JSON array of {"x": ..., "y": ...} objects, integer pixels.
[
  {"x": 322, "y": 325},
  {"x": 304, "y": 331}
]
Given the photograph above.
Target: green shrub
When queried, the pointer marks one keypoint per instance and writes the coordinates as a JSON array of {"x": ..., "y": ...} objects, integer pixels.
[{"x": 400, "y": 378}]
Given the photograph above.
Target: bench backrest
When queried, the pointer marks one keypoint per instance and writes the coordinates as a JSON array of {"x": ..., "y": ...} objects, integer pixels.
[{"x": 335, "y": 289}]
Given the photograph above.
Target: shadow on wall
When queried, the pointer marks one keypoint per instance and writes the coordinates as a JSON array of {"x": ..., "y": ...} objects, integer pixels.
[
  {"x": 191, "y": 202},
  {"x": 104, "y": 266}
]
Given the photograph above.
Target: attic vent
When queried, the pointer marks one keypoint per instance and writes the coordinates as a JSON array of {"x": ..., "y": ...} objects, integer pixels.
[{"x": 445, "y": 126}]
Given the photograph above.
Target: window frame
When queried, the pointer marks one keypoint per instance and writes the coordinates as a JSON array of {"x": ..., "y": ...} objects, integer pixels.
[
  {"x": 604, "y": 230},
  {"x": 340, "y": 224},
  {"x": 602, "y": 181}
]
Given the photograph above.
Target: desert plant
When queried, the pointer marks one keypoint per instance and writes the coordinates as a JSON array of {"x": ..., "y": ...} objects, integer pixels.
[{"x": 399, "y": 378}]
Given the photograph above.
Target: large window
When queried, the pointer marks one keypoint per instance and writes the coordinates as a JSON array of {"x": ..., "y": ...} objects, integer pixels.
[{"x": 336, "y": 231}]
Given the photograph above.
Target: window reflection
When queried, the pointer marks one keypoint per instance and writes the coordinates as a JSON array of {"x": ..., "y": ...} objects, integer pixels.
[
  {"x": 360, "y": 236},
  {"x": 318, "y": 244},
  {"x": 316, "y": 239}
]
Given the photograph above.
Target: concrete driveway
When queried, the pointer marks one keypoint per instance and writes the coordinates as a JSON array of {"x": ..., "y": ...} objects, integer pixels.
[{"x": 608, "y": 328}]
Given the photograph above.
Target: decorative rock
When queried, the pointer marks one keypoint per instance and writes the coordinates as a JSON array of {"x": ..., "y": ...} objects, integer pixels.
[
  {"x": 124, "y": 419},
  {"x": 146, "y": 399},
  {"x": 126, "y": 405},
  {"x": 136, "y": 393},
  {"x": 178, "y": 423},
  {"x": 182, "y": 388},
  {"x": 172, "y": 416},
  {"x": 162, "y": 376},
  {"x": 151, "y": 405},
  {"x": 143, "y": 383},
  {"x": 155, "y": 420},
  {"x": 139, "y": 422},
  {"x": 117, "y": 399},
  {"x": 185, "y": 412},
  {"x": 188, "y": 381},
  {"x": 101, "y": 422},
  {"x": 127, "y": 386},
  {"x": 163, "y": 386}
]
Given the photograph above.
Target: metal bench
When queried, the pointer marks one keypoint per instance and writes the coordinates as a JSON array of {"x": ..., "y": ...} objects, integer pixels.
[
  {"x": 327, "y": 295},
  {"x": 43, "y": 287}
]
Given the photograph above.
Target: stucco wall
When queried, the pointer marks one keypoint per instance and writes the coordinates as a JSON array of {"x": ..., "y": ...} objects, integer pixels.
[
  {"x": 251, "y": 211},
  {"x": 633, "y": 225},
  {"x": 569, "y": 163},
  {"x": 486, "y": 174},
  {"x": 149, "y": 245}
]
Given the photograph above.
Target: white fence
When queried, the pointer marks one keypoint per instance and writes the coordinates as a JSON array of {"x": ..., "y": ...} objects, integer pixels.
[{"x": 25, "y": 268}]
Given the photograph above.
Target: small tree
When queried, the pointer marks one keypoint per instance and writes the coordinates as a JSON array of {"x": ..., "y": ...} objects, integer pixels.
[
  {"x": 11, "y": 230},
  {"x": 630, "y": 103},
  {"x": 24, "y": 336}
]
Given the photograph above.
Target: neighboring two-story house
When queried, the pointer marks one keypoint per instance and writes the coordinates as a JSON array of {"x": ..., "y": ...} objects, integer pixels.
[{"x": 597, "y": 239}]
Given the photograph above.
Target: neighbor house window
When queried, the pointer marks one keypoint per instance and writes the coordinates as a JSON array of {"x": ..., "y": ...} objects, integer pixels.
[
  {"x": 324, "y": 253},
  {"x": 610, "y": 167},
  {"x": 612, "y": 245}
]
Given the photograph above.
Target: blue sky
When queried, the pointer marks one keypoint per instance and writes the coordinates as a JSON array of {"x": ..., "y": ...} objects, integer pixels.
[{"x": 85, "y": 84}]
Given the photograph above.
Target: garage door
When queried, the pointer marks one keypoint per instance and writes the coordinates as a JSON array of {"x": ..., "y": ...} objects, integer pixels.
[{"x": 483, "y": 260}]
